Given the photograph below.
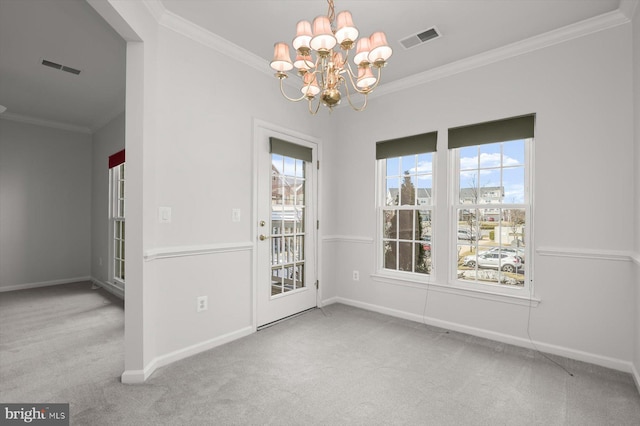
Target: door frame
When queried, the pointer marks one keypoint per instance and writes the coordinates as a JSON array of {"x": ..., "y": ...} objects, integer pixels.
[{"x": 262, "y": 130}]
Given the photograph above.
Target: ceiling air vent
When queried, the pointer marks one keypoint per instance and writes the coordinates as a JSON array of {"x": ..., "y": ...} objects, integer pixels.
[
  {"x": 421, "y": 37},
  {"x": 51, "y": 64},
  {"x": 60, "y": 67},
  {"x": 70, "y": 70}
]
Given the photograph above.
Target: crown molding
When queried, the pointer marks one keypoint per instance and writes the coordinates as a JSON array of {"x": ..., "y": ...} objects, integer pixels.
[
  {"x": 560, "y": 35},
  {"x": 107, "y": 118},
  {"x": 156, "y": 8},
  {"x": 45, "y": 123},
  {"x": 205, "y": 37},
  {"x": 628, "y": 8}
]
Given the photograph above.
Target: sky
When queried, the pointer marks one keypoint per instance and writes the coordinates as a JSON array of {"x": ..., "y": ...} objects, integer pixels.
[{"x": 490, "y": 165}]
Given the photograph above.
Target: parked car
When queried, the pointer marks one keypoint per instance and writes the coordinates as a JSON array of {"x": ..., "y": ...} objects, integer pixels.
[
  {"x": 494, "y": 260},
  {"x": 426, "y": 245},
  {"x": 467, "y": 235},
  {"x": 508, "y": 250}
]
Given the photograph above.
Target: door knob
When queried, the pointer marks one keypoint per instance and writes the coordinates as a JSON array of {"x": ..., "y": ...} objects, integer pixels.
[{"x": 263, "y": 237}]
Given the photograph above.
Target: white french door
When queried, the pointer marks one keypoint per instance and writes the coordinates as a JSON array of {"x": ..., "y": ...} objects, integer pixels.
[{"x": 286, "y": 229}]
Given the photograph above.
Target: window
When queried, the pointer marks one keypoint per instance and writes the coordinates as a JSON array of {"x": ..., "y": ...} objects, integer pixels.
[
  {"x": 491, "y": 203},
  {"x": 117, "y": 218},
  {"x": 405, "y": 203},
  {"x": 289, "y": 233}
]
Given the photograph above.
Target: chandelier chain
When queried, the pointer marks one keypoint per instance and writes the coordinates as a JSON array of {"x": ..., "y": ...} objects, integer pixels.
[{"x": 331, "y": 13}]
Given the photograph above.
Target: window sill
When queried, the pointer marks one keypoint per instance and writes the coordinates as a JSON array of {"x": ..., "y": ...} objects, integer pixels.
[{"x": 456, "y": 289}]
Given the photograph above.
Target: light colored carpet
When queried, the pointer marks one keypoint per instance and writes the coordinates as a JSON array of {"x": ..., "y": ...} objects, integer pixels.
[{"x": 348, "y": 367}]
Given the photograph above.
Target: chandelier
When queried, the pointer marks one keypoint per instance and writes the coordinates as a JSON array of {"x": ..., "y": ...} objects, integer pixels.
[{"x": 323, "y": 68}]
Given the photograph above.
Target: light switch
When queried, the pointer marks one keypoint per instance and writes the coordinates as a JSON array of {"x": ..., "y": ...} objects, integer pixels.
[
  {"x": 235, "y": 215},
  {"x": 164, "y": 214}
]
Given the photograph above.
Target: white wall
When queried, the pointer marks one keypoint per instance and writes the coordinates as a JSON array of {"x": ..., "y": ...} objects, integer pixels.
[
  {"x": 45, "y": 205},
  {"x": 581, "y": 93},
  {"x": 204, "y": 150},
  {"x": 105, "y": 142}
]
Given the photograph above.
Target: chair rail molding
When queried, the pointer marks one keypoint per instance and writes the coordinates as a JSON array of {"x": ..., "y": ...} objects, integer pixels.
[
  {"x": 198, "y": 250},
  {"x": 612, "y": 255}
]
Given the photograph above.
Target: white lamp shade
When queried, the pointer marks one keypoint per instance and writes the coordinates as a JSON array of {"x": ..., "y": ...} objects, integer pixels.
[
  {"x": 365, "y": 78},
  {"x": 310, "y": 87},
  {"x": 303, "y": 62},
  {"x": 346, "y": 30},
  {"x": 323, "y": 39},
  {"x": 303, "y": 35},
  {"x": 281, "y": 60},
  {"x": 362, "y": 51},
  {"x": 380, "y": 50}
]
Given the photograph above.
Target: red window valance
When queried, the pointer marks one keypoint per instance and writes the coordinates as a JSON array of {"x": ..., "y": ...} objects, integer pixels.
[{"x": 116, "y": 159}]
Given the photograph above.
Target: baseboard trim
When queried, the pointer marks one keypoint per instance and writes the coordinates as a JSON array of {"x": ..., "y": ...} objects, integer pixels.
[
  {"x": 116, "y": 291},
  {"x": 329, "y": 301},
  {"x": 140, "y": 376},
  {"x": 44, "y": 284},
  {"x": 136, "y": 377},
  {"x": 603, "y": 361},
  {"x": 636, "y": 376}
]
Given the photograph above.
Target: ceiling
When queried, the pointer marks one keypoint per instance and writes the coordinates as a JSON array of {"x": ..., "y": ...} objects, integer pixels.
[{"x": 71, "y": 33}]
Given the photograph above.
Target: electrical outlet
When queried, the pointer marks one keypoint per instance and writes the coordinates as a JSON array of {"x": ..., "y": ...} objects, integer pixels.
[
  {"x": 356, "y": 275},
  {"x": 203, "y": 303}
]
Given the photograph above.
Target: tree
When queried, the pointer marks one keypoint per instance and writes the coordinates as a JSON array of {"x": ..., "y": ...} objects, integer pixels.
[
  {"x": 402, "y": 227},
  {"x": 470, "y": 216},
  {"x": 517, "y": 220}
]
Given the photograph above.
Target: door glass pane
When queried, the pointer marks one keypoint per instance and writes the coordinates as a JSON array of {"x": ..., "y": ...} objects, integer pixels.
[
  {"x": 299, "y": 191},
  {"x": 288, "y": 188},
  {"x": 299, "y": 220}
]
